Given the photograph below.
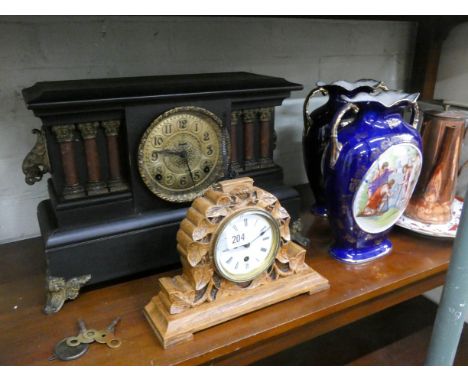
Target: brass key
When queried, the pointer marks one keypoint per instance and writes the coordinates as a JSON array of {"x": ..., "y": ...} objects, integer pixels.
[
  {"x": 107, "y": 336},
  {"x": 81, "y": 338}
]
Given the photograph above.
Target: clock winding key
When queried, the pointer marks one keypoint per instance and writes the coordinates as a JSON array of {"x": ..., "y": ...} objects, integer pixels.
[
  {"x": 107, "y": 336},
  {"x": 84, "y": 337},
  {"x": 65, "y": 352}
]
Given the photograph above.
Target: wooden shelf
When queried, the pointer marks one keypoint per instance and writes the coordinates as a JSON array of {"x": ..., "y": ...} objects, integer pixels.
[{"x": 417, "y": 264}]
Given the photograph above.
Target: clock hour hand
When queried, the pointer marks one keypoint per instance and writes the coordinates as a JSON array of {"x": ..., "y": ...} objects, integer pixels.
[
  {"x": 234, "y": 249},
  {"x": 180, "y": 153}
]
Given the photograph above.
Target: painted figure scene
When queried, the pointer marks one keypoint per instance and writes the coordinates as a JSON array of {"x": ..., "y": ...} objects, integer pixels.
[{"x": 387, "y": 187}]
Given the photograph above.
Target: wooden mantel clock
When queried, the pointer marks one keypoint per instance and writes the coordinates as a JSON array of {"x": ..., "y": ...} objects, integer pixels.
[
  {"x": 237, "y": 257},
  {"x": 127, "y": 156}
]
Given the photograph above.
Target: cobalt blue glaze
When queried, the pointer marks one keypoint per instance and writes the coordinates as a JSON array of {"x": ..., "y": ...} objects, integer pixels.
[
  {"x": 371, "y": 182},
  {"x": 316, "y": 131}
]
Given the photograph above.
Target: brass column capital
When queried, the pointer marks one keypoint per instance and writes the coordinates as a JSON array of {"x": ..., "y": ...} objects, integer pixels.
[
  {"x": 88, "y": 130},
  {"x": 234, "y": 118},
  {"x": 111, "y": 128},
  {"x": 265, "y": 114},
  {"x": 248, "y": 116},
  {"x": 64, "y": 133}
]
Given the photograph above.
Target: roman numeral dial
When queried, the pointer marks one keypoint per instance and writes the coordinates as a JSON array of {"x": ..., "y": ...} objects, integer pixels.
[{"x": 246, "y": 244}]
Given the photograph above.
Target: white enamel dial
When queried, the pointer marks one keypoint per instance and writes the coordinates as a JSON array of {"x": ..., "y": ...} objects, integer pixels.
[{"x": 246, "y": 244}]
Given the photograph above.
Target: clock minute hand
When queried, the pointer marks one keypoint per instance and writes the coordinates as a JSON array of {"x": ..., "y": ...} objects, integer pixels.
[{"x": 261, "y": 233}]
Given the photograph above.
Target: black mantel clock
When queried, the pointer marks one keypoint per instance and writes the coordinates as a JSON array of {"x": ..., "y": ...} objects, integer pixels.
[{"x": 128, "y": 155}]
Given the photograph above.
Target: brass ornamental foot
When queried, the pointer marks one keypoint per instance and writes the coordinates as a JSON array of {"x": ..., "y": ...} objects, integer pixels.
[{"x": 59, "y": 290}]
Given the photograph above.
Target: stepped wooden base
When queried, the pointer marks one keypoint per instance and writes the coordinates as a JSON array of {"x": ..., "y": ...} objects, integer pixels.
[{"x": 172, "y": 329}]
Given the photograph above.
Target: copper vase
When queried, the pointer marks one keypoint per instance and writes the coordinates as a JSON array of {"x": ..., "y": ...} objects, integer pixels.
[{"x": 442, "y": 137}]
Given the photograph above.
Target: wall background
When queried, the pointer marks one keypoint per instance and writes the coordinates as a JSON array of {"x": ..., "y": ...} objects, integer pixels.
[{"x": 61, "y": 48}]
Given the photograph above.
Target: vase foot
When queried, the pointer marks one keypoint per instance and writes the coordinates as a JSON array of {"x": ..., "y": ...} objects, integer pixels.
[
  {"x": 319, "y": 210},
  {"x": 361, "y": 255}
]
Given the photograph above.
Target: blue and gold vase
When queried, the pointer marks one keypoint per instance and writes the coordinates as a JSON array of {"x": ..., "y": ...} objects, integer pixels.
[
  {"x": 371, "y": 168},
  {"x": 316, "y": 130}
]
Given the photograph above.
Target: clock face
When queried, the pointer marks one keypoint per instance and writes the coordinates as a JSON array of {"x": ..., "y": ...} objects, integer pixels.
[
  {"x": 246, "y": 244},
  {"x": 181, "y": 153}
]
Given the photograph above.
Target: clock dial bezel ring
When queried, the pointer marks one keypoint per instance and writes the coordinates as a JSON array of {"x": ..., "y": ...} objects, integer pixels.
[
  {"x": 276, "y": 240},
  {"x": 189, "y": 194}
]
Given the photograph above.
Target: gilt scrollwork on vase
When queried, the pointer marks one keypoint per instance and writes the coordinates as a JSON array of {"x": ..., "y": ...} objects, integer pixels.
[
  {"x": 36, "y": 163},
  {"x": 317, "y": 129},
  {"x": 371, "y": 167}
]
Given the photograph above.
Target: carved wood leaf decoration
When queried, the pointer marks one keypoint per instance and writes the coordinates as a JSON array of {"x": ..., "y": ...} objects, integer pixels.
[
  {"x": 265, "y": 199},
  {"x": 199, "y": 277},
  {"x": 283, "y": 269},
  {"x": 282, "y": 255},
  {"x": 199, "y": 282}
]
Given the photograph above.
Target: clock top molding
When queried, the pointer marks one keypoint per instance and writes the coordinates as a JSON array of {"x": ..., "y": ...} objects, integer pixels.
[{"x": 50, "y": 96}]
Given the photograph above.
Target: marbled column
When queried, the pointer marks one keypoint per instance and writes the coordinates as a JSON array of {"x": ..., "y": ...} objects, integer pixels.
[
  {"x": 65, "y": 137},
  {"x": 266, "y": 148},
  {"x": 248, "y": 118},
  {"x": 95, "y": 185},
  {"x": 233, "y": 138},
  {"x": 115, "y": 183}
]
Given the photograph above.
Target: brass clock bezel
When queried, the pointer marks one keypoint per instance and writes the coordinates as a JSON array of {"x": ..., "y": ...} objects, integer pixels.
[
  {"x": 276, "y": 242},
  {"x": 217, "y": 172}
]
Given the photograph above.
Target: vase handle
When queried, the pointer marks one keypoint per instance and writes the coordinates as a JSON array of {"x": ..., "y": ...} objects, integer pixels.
[
  {"x": 335, "y": 145},
  {"x": 305, "y": 111},
  {"x": 381, "y": 86},
  {"x": 415, "y": 112}
]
